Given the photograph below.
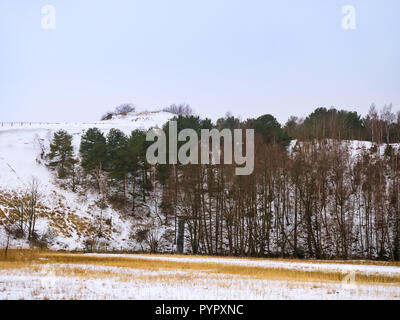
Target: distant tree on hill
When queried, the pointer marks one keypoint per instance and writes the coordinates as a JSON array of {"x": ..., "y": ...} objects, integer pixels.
[
  {"x": 107, "y": 116},
  {"x": 93, "y": 150},
  {"x": 116, "y": 153},
  {"x": 228, "y": 122},
  {"x": 325, "y": 123},
  {"x": 62, "y": 153},
  {"x": 270, "y": 129},
  {"x": 137, "y": 164},
  {"x": 180, "y": 110},
  {"x": 292, "y": 126},
  {"x": 122, "y": 109}
]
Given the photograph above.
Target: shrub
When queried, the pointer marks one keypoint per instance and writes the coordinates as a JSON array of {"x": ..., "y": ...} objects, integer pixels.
[
  {"x": 89, "y": 244},
  {"x": 43, "y": 241},
  {"x": 183, "y": 110},
  {"x": 153, "y": 241},
  {"x": 140, "y": 236},
  {"x": 122, "y": 110},
  {"x": 107, "y": 116}
]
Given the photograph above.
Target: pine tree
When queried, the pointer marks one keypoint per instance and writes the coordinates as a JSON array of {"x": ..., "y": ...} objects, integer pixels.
[
  {"x": 117, "y": 154},
  {"x": 137, "y": 163},
  {"x": 62, "y": 153},
  {"x": 93, "y": 149}
]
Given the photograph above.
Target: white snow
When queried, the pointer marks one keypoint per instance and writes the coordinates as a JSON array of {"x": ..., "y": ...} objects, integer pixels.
[{"x": 127, "y": 283}]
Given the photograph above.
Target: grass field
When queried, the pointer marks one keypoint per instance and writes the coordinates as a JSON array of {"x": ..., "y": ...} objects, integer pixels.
[{"x": 26, "y": 274}]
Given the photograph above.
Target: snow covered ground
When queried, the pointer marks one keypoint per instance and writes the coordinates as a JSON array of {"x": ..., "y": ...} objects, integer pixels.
[{"x": 85, "y": 281}]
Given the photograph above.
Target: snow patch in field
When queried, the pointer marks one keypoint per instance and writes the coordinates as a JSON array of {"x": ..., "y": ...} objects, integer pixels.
[{"x": 167, "y": 284}]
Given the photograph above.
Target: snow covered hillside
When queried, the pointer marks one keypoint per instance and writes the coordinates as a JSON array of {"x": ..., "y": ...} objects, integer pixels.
[{"x": 70, "y": 216}]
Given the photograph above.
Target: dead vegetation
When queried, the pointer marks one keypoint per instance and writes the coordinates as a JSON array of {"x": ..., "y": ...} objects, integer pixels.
[
  {"x": 16, "y": 217},
  {"x": 34, "y": 258}
]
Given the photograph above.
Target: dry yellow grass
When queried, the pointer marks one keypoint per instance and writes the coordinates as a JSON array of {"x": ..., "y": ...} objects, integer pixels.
[
  {"x": 79, "y": 271},
  {"x": 35, "y": 259},
  {"x": 18, "y": 258},
  {"x": 354, "y": 262}
]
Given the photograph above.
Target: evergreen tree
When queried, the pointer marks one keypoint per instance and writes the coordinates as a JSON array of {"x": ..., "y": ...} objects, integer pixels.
[
  {"x": 62, "y": 153},
  {"x": 93, "y": 150},
  {"x": 137, "y": 163},
  {"x": 270, "y": 129},
  {"x": 117, "y": 144}
]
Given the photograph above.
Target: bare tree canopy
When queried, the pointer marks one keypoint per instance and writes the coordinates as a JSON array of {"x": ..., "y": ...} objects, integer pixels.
[
  {"x": 183, "y": 110},
  {"x": 123, "y": 109}
]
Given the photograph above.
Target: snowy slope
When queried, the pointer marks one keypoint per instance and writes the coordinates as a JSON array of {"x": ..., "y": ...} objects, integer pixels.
[{"x": 70, "y": 215}]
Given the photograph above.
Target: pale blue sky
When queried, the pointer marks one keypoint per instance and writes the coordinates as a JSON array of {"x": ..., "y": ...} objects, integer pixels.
[{"x": 250, "y": 57}]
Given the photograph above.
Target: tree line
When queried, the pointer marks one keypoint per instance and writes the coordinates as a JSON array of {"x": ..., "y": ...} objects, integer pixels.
[
  {"x": 315, "y": 197},
  {"x": 377, "y": 126}
]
